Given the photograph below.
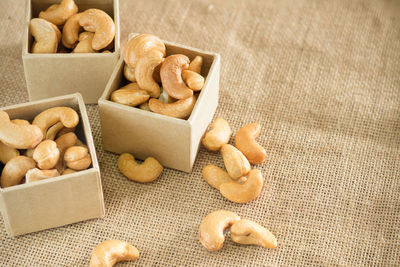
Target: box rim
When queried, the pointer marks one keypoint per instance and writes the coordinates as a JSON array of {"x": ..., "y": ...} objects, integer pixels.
[
  {"x": 90, "y": 142},
  {"x": 27, "y": 54}
]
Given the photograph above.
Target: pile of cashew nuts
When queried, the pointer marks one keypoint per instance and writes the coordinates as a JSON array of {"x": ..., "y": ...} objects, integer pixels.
[
  {"x": 98, "y": 26},
  {"x": 45, "y": 149},
  {"x": 164, "y": 85}
]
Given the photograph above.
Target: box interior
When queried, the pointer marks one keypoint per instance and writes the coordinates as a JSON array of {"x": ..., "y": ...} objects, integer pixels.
[
  {"x": 40, "y": 5},
  {"x": 172, "y": 49},
  {"x": 29, "y": 111}
]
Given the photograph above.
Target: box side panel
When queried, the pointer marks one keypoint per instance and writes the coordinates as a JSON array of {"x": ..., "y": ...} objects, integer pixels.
[
  {"x": 54, "y": 203},
  {"x": 145, "y": 134},
  {"x": 54, "y": 76}
]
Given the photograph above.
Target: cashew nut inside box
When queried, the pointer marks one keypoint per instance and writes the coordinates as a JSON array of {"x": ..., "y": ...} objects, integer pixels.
[
  {"x": 172, "y": 141},
  {"x": 38, "y": 205},
  {"x": 56, "y": 74}
]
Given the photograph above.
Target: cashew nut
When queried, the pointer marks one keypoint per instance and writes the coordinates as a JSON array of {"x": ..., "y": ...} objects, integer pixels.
[
  {"x": 17, "y": 135},
  {"x": 196, "y": 64},
  {"x": 99, "y": 22},
  {"x": 7, "y": 153},
  {"x": 35, "y": 174},
  {"x": 144, "y": 74},
  {"x": 68, "y": 117},
  {"x": 70, "y": 34},
  {"x": 85, "y": 43},
  {"x": 180, "y": 109},
  {"x": 246, "y": 143},
  {"x": 58, "y": 33},
  {"x": 211, "y": 232},
  {"x": 63, "y": 143},
  {"x": 15, "y": 170},
  {"x": 171, "y": 76},
  {"x": 129, "y": 73},
  {"x": 77, "y": 158},
  {"x": 245, "y": 192},
  {"x": 216, "y": 176},
  {"x": 235, "y": 162},
  {"x": 65, "y": 130},
  {"x": 46, "y": 40},
  {"x": 53, "y": 130},
  {"x": 109, "y": 252},
  {"x": 219, "y": 134},
  {"x": 250, "y": 233},
  {"x": 68, "y": 171},
  {"x": 59, "y": 13},
  {"x": 194, "y": 80},
  {"x": 146, "y": 172},
  {"x": 130, "y": 95},
  {"x": 46, "y": 154}
]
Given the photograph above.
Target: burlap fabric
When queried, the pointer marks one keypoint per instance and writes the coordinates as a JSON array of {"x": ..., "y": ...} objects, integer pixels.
[{"x": 321, "y": 77}]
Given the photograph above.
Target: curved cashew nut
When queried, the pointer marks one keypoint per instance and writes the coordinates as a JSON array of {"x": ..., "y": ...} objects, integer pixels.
[
  {"x": 77, "y": 158},
  {"x": 53, "y": 130},
  {"x": 70, "y": 34},
  {"x": 109, "y": 252},
  {"x": 196, "y": 64},
  {"x": 245, "y": 192},
  {"x": 145, "y": 70},
  {"x": 59, "y": 13},
  {"x": 17, "y": 135},
  {"x": 141, "y": 46},
  {"x": 46, "y": 154},
  {"x": 146, "y": 172},
  {"x": 250, "y": 233},
  {"x": 85, "y": 43},
  {"x": 130, "y": 95},
  {"x": 15, "y": 170},
  {"x": 68, "y": 117},
  {"x": 7, "y": 153},
  {"x": 64, "y": 142},
  {"x": 171, "y": 76},
  {"x": 235, "y": 162},
  {"x": 46, "y": 40},
  {"x": 219, "y": 134},
  {"x": 99, "y": 22},
  {"x": 35, "y": 174},
  {"x": 211, "y": 231},
  {"x": 246, "y": 143},
  {"x": 180, "y": 109},
  {"x": 129, "y": 73},
  {"x": 216, "y": 176},
  {"x": 194, "y": 80}
]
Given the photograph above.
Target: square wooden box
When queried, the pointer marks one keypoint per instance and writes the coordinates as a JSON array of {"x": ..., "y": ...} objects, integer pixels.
[
  {"x": 173, "y": 142},
  {"x": 49, "y": 75},
  {"x": 57, "y": 201}
]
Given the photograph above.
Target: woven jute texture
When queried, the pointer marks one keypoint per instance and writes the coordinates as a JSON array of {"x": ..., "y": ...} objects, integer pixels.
[{"x": 322, "y": 79}]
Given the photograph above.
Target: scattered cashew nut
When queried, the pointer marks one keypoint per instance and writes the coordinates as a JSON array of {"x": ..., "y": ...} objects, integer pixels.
[
  {"x": 46, "y": 40},
  {"x": 235, "y": 162},
  {"x": 46, "y": 154},
  {"x": 68, "y": 117},
  {"x": 245, "y": 192},
  {"x": 17, "y": 135},
  {"x": 15, "y": 170},
  {"x": 195, "y": 64},
  {"x": 219, "y": 134},
  {"x": 193, "y": 80},
  {"x": 109, "y": 252},
  {"x": 85, "y": 43},
  {"x": 246, "y": 143},
  {"x": 146, "y": 172},
  {"x": 36, "y": 174},
  {"x": 171, "y": 76},
  {"x": 180, "y": 109},
  {"x": 99, "y": 22},
  {"x": 77, "y": 158},
  {"x": 59, "y": 13},
  {"x": 216, "y": 176},
  {"x": 211, "y": 231},
  {"x": 70, "y": 34},
  {"x": 250, "y": 233},
  {"x": 130, "y": 95}
]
